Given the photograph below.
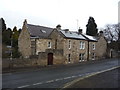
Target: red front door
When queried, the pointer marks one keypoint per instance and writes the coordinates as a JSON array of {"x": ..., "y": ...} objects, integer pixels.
[{"x": 50, "y": 58}]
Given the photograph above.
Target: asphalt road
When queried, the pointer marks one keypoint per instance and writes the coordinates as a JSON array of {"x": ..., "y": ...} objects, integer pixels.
[
  {"x": 54, "y": 77},
  {"x": 108, "y": 79}
]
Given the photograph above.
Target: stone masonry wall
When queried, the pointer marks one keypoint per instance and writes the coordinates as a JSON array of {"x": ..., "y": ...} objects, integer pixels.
[
  {"x": 75, "y": 50},
  {"x": 24, "y": 42},
  {"x": 42, "y": 45},
  {"x": 57, "y": 57},
  {"x": 91, "y": 50},
  {"x": 101, "y": 47}
]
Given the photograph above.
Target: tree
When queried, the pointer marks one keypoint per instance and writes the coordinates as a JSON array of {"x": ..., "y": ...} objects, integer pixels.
[
  {"x": 19, "y": 30},
  {"x": 15, "y": 35},
  {"x": 112, "y": 32},
  {"x": 3, "y": 24},
  {"x": 91, "y": 27},
  {"x": 6, "y": 36}
]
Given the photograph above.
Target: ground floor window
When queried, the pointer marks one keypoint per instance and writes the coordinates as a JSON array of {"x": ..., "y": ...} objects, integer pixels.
[
  {"x": 81, "y": 57},
  {"x": 93, "y": 56},
  {"x": 69, "y": 58}
]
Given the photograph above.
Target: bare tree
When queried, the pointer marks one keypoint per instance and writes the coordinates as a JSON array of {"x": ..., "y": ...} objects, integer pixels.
[{"x": 112, "y": 32}]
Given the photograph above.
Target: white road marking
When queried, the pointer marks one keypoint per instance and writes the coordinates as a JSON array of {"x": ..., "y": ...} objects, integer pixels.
[
  {"x": 67, "y": 78},
  {"x": 88, "y": 75},
  {"x": 24, "y": 86},
  {"x": 59, "y": 79},
  {"x": 38, "y": 83},
  {"x": 80, "y": 75},
  {"x": 85, "y": 76},
  {"x": 50, "y": 81},
  {"x": 73, "y": 76}
]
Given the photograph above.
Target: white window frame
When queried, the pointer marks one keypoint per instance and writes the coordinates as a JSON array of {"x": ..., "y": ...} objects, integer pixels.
[
  {"x": 82, "y": 45},
  {"x": 93, "y": 56},
  {"x": 49, "y": 44},
  {"x": 81, "y": 57},
  {"x": 69, "y": 44},
  {"x": 93, "y": 46}
]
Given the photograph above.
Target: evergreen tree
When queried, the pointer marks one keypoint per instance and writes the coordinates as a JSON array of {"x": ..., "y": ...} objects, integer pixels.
[
  {"x": 15, "y": 35},
  {"x": 6, "y": 36},
  {"x": 91, "y": 27},
  {"x": 3, "y": 24},
  {"x": 19, "y": 30}
]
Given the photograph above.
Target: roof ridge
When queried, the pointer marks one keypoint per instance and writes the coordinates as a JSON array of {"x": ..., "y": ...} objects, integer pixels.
[{"x": 40, "y": 26}]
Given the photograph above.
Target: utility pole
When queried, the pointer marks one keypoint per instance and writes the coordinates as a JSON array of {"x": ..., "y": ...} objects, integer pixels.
[
  {"x": 77, "y": 24},
  {"x": 11, "y": 49},
  {"x": 11, "y": 55}
]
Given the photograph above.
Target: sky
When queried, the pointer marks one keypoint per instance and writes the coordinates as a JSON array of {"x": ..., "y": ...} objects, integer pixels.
[{"x": 70, "y": 14}]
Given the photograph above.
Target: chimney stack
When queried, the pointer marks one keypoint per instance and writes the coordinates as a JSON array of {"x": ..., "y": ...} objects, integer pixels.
[
  {"x": 58, "y": 27},
  {"x": 100, "y": 33},
  {"x": 79, "y": 31},
  {"x": 66, "y": 30}
]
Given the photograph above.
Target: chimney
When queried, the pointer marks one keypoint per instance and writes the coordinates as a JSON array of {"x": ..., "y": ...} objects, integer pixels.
[
  {"x": 66, "y": 30},
  {"x": 79, "y": 31},
  {"x": 24, "y": 24},
  {"x": 101, "y": 33},
  {"x": 58, "y": 27}
]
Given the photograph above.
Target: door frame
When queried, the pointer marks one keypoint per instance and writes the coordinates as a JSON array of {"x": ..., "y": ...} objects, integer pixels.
[{"x": 50, "y": 59}]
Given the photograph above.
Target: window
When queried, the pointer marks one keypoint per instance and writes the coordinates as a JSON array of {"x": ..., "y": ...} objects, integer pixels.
[
  {"x": 81, "y": 57},
  {"x": 56, "y": 44},
  {"x": 69, "y": 44},
  {"x": 49, "y": 44},
  {"x": 93, "y": 56},
  {"x": 93, "y": 46},
  {"x": 82, "y": 45},
  {"x": 43, "y": 31},
  {"x": 68, "y": 58}
]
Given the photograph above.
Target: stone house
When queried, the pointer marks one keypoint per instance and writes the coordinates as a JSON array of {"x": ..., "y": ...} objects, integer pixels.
[
  {"x": 58, "y": 46},
  {"x": 97, "y": 46}
]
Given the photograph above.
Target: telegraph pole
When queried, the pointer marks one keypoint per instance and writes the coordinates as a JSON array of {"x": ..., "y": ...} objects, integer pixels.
[
  {"x": 77, "y": 24},
  {"x": 11, "y": 49},
  {"x": 11, "y": 54}
]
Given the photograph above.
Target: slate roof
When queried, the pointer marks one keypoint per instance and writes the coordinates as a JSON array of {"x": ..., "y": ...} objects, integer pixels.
[
  {"x": 72, "y": 35},
  {"x": 90, "y": 38},
  {"x": 39, "y": 31}
]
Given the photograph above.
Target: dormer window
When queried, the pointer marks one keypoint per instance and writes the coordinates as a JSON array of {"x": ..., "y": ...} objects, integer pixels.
[{"x": 43, "y": 31}]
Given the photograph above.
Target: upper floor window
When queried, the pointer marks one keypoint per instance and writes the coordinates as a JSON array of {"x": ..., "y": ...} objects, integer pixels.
[
  {"x": 56, "y": 44},
  {"x": 82, "y": 45},
  {"x": 93, "y": 46},
  {"x": 69, "y": 44},
  {"x": 49, "y": 44}
]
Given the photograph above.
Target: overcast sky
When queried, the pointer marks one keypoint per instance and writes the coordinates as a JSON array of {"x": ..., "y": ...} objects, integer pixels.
[{"x": 64, "y": 12}]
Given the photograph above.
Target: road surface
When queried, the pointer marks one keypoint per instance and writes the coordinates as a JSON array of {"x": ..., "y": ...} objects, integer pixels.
[
  {"x": 108, "y": 79},
  {"x": 54, "y": 77}
]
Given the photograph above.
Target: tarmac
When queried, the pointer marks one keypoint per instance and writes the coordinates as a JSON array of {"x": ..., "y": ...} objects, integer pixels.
[{"x": 106, "y": 79}]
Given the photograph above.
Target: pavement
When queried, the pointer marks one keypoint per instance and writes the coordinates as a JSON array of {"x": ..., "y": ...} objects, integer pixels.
[
  {"x": 55, "y": 76},
  {"x": 107, "y": 79}
]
